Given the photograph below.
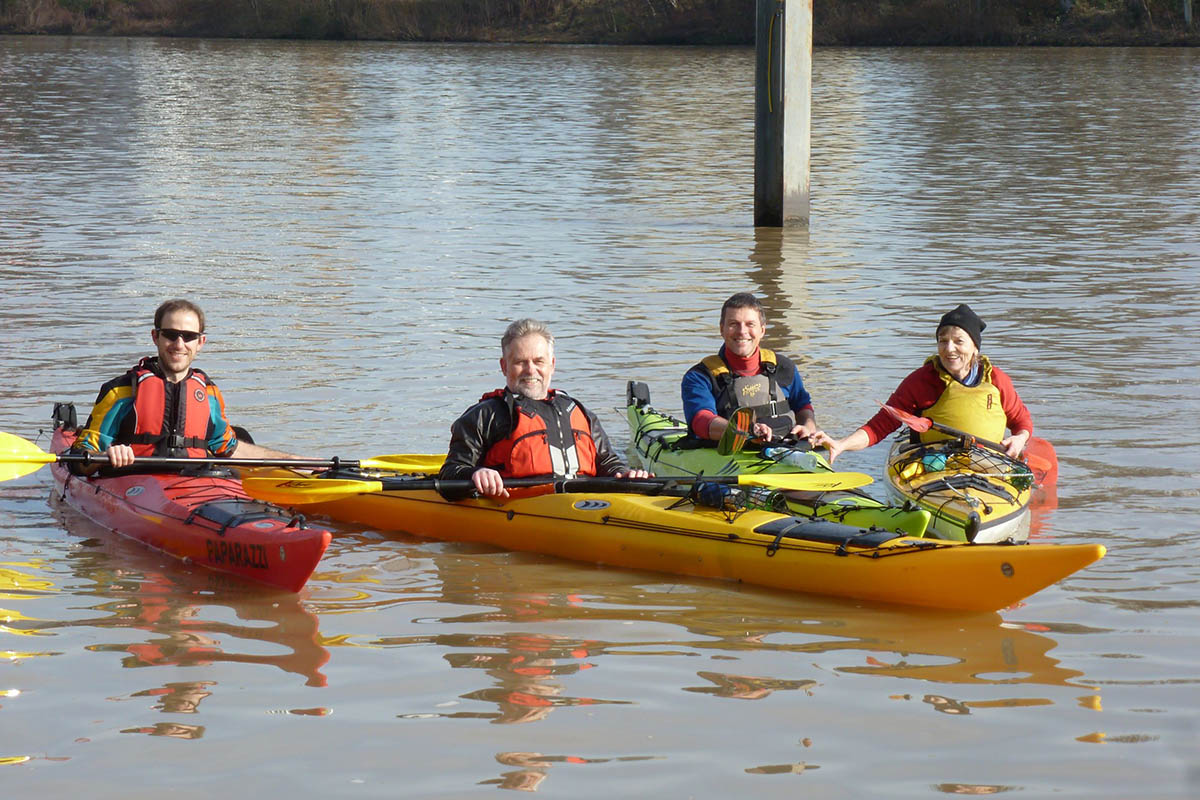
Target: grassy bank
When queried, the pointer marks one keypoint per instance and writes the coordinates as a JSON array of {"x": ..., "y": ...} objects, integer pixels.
[{"x": 836, "y": 22}]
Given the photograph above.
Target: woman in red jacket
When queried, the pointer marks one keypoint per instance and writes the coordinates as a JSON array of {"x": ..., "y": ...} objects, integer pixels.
[{"x": 958, "y": 387}]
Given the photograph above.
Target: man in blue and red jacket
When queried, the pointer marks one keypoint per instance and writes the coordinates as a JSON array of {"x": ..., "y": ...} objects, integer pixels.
[{"x": 745, "y": 375}]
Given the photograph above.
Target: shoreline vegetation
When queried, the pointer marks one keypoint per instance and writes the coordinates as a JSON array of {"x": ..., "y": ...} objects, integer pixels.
[{"x": 695, "y": 22}]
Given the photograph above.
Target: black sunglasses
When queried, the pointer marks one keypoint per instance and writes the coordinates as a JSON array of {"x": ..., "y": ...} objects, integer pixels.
[{"x": 171, "y": 334}]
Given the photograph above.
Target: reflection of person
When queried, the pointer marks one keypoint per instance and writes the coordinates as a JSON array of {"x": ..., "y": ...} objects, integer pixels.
[
  {"x": 180, "y": 698},
  {"x": 527, "y": 429},
  {"x": 522, "y": 780},
  {"x": 742, "y": 374},
  {"x": 163, "y": 406},
  {"x": 958, "y": 387},
  {"x": 175, "y": 730},
  {"x": 747, "y": 687}
]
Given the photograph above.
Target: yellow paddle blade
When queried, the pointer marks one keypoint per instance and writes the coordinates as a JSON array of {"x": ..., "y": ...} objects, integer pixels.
[
  {"x": 807, "y": 481},
  {"x": 299, "y": 491},
  {"x": 425, "y": 463},
  {"x": 20, "y": 457}
]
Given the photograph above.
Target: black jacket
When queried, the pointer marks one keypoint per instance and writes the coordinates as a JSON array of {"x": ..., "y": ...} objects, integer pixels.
[{"x": 491, "y": 420}]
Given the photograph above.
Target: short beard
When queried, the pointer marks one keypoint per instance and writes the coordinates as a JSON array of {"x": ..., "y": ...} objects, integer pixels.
[{"x": 525, "y": 391}]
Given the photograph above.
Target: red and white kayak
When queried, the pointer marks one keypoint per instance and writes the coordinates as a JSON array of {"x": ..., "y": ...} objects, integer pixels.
[{"x": 203, "y": 518}]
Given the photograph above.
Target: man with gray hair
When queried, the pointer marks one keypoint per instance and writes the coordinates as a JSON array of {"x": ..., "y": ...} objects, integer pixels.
[{"x": 527, "y": 428}]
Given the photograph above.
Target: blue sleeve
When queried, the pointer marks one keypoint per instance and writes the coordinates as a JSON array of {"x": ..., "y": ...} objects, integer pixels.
[
  {"x": 798, "y": 397},
  {"x": 105, "y": 433},
  {"x": 697, "y": 394},
  {"x": 114, "y": 401},
  {"x": 221, "y": 439}
]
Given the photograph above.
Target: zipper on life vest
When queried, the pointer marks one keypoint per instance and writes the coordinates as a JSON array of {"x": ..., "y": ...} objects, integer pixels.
[{"x": 569, "y": 469}]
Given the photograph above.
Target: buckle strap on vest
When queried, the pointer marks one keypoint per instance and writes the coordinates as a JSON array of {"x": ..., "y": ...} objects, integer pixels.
[
  {"x": 723, "y": 377},
  {"x": 719, "y": 370}
]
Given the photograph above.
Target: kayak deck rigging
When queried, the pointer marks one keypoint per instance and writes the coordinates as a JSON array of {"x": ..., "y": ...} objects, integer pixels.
[
  {"x": 789, "y": 531},
  {"x": 973, "y": 493}
]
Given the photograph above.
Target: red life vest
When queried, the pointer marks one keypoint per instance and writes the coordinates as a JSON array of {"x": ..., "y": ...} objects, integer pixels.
[
  {"x": 563, "y": 446},
  {"x": 185, "y": 435}
]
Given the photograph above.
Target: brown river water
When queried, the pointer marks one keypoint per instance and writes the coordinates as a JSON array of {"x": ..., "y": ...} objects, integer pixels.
[{"x": 361, "y": 221}]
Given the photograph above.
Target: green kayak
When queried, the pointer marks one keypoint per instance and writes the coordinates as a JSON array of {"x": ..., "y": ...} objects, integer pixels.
[{"x": 661, "y": 444}]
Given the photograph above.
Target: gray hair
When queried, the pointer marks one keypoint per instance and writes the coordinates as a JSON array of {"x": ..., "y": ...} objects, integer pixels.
[{"x": 525, "y": 327}]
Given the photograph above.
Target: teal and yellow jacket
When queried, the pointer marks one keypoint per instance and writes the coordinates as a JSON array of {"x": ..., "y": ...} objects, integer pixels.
[{"x": 157, "y": 417}]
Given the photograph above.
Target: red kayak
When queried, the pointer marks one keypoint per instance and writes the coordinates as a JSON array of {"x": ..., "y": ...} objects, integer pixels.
[{"x": 203, "y": 518}]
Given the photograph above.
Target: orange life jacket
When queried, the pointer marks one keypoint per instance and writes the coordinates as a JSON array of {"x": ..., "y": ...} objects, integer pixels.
[
  {"x": 563, "y": 446},
  {"x": 186, "y": 434}
]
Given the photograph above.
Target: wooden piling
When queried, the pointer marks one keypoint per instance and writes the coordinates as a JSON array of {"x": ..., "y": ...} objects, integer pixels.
[{"x": 782, "y": 111}]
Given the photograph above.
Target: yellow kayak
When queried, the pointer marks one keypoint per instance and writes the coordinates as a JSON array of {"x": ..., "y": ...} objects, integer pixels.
[
  {"x": 676, "y": 535},
  {"x": 972, "y": 494}
]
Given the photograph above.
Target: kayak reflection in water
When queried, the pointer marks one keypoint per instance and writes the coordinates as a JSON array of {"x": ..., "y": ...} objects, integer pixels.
[
  {"x": 163, "y": 406},
  {"x": 958, "y": 387},
  {"x": 527, "y": 428}
]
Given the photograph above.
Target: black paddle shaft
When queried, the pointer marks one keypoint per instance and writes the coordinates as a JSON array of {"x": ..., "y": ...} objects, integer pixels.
[
  {"x": 88, "y": 458},
  {"x": 560, "y": 485}
]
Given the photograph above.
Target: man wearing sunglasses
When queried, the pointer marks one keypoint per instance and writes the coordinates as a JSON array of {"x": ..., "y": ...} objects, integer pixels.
[{"x": 164, "y": 406}]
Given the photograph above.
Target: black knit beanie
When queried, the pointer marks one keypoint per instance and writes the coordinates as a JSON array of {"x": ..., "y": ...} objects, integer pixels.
[{"x": 963, "y": 317}]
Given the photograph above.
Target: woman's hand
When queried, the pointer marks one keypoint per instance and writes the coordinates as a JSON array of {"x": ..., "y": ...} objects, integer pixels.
[
  {"x": 823, "y": 439},
  {"x": 1015, "y": 445}
]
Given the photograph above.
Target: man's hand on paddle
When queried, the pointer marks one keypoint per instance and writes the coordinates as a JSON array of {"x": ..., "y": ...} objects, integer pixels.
[
  {"x": 633, "y": 474},
  {"x": 490, "y": 483},
  {"x": 120, "y": 455}
]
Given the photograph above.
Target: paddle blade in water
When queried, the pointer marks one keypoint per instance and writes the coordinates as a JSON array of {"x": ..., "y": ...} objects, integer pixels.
[
  {"x": 1043, "y": 461},
  {"x": 20, "y": 457},
  {"x": 301, "y": 491}
]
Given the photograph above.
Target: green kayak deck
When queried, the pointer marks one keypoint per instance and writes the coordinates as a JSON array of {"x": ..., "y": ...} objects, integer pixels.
[{"x": 661, "y": 444}]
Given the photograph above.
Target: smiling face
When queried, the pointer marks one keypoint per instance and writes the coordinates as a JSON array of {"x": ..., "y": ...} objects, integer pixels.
[
  {"x": 956, "y": 350},
  {"x": 175, "y": 355},
  {"x": 742, "y": 329},
  {"x": 528, "y": 365}
]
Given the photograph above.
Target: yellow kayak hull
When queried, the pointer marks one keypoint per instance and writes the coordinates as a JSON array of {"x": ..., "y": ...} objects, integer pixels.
[{"x": 643, "y": 532}]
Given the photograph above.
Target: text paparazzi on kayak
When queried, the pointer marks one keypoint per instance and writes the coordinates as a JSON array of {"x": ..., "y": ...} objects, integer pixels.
[
  {"x": 163, "y": 406},
  {"x": 528, "y": 429},
  {"x": 744, "y": 375},
  {"x": 958, "y": 387}
]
